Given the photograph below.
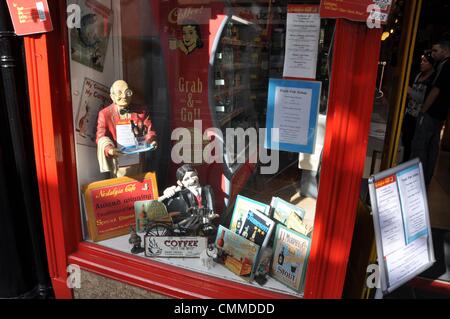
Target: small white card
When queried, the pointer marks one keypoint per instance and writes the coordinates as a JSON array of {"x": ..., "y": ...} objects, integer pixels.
[{"x": 125, "y": 138}]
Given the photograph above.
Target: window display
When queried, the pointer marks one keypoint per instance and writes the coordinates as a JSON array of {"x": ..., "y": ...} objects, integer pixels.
[{"x": 189, "y": 88}]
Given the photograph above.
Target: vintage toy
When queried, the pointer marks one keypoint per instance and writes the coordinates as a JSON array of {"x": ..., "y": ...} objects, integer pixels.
[
  {"x": 263, "y": 267},
  {"x": 136, "y": 241},
  {"x": 190, "y": 204}
]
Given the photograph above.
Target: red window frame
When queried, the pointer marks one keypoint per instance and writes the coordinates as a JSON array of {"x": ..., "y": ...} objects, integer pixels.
[{"x": 355, "y": 61}]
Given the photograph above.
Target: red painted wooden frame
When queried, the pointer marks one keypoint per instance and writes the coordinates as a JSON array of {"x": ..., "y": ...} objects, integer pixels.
[{"x": 350, "y": 106}]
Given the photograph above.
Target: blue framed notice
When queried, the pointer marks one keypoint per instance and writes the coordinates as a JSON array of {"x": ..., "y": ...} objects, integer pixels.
[{"x": 292, "y": 114}]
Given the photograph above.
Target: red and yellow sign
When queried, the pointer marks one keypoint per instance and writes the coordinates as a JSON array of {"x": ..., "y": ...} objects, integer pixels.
[
  {"x": 385, "y": 181},
  {"x": 110, "y": 204},
  {"x": 355, "y": 10},
  {"x": 30, "y": 16}
]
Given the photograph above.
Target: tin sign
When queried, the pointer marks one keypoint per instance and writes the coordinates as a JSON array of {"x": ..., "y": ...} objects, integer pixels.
[{"x": 177, "y": 247}]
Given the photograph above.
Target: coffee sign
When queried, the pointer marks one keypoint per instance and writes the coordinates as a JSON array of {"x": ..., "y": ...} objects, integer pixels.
[{"x": 182, "y": 247}]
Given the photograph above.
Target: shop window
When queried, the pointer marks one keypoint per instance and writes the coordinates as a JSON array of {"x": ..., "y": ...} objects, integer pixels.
[{"x": 201, "y": 81}]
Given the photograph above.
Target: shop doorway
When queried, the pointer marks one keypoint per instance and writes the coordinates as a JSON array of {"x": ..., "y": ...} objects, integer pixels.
[{"x": 414, "y": 26}]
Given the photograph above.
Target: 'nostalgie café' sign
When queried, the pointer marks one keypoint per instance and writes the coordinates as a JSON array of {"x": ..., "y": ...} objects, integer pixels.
[{"x": 110, "y": 204}]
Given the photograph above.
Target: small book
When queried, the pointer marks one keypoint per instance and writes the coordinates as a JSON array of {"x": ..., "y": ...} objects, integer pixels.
[
  {"x": 290, "y": 259},
  {"x": 257, "y": 227},
  {"x": 148, "y": 211},
  {"x": 239, "y": 255},
  {"x": 241, "y": 208},
  {"x": 289, "y": 215}
]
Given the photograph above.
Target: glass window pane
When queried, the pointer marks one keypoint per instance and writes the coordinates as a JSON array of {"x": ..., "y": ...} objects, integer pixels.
[{"x": 159, "y": 84}]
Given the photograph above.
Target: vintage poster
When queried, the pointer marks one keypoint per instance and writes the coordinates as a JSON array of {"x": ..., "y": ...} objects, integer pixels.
[
  {"x": 89, "y": 43},
  {"x": 238, "y": 254},
  {"x": 110, "y": 204},
  {"x": 291, "y": 253},
  {"x": 94, "y": 96},
  {"x": 289, "y": 215},
  {"x": 150, "y": 210},
  {"x": 241, "y": 208},
  {"x": 257, "y": 228}
]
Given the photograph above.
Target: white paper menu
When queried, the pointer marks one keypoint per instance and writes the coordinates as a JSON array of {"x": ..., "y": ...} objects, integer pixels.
[{"x": 302, "y": 41}]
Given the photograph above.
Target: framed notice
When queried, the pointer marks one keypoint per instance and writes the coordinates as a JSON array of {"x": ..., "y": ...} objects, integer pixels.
[
  {"x": 110, "y": 204},
  {"x": 402, "y": 224},
  {"x": 292, "y": 115}
]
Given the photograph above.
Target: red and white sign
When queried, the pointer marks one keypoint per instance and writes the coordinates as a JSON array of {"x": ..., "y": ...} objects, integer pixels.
[
  {"x": 356, "y": 10},
  {"x": 30, "y": 16}
]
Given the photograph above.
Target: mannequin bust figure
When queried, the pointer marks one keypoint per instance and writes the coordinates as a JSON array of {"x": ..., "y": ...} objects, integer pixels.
[{"x": 115, "y": 128}]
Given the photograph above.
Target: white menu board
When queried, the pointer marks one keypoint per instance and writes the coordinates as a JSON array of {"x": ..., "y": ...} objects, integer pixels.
[
  {"x": 402, "y": 224},
  {"x": 302, "y": 41}
]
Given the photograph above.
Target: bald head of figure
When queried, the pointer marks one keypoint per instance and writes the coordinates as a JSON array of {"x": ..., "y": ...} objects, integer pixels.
[{"x": 121, "y": 94}]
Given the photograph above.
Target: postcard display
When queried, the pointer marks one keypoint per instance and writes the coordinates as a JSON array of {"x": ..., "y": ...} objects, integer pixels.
[{"x": 266, "y": 244}]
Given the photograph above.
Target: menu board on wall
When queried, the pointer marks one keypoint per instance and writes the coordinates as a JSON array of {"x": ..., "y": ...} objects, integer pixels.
[
  {"x": 302, "y": 41},
  {"x": 356, "y": 10},
  {"x": 402, "y": 225}
]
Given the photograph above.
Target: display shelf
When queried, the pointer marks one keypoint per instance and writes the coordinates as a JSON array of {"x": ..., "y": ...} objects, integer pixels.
[
  {"x": 236, "y": 66},
  {"x": 194, "y": 264},
  {"x": 230, "y": 116},
  {"x": 240, "y": 43}
]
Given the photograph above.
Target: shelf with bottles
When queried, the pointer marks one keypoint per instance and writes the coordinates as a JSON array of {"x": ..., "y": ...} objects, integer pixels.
[
  {"x": 237, "y": 66},
  {"x": 228, "y": 117},
  {"x": 234, "y": 90},
  {"x": 242, "y": 43}
]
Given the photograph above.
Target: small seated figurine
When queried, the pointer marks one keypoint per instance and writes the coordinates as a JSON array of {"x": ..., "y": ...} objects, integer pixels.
[
  {"x": 121, "y": 122},
  {"x": 207, "y": 256},
  {"x": 193, "y": 202},
  {"x": 136, "y": 241}
]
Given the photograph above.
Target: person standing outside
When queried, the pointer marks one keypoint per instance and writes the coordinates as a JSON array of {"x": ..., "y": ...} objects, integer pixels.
[
  {"x": 417, "y": 94},
  {"x": 433, "y": 113}
]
